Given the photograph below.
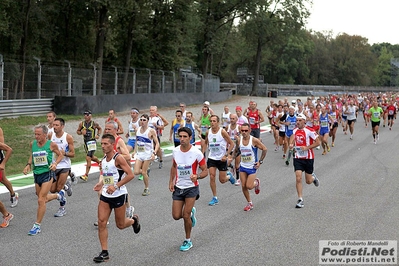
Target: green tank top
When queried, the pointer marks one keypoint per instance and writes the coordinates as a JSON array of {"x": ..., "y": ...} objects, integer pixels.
[
  {"x": 205, "y": 124},
  {"x": 41, "y": 157}
]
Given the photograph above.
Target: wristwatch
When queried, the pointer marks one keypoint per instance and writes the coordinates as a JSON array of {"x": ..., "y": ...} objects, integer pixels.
[
  {"x": 261, "y": 161},
  {"x": 116, "y": 186}
]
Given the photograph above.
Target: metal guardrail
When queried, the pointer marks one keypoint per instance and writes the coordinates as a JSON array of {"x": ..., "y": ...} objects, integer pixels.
[{"x": 16, "y": 108}]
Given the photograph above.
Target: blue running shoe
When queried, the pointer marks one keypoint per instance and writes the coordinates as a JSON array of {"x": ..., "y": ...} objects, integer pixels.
[
  {"x": 214, "y": 201},
  {"x": 62, "y": 198},
  {"x": 35, "y": 230},
  {"x": 231, "y": 178},
  {"x": 193, "y": 218},
  {"x": 186, "y": 245}
]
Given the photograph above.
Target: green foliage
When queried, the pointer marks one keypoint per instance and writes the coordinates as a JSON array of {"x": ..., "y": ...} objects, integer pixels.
[{"x": 266, "y": 36}]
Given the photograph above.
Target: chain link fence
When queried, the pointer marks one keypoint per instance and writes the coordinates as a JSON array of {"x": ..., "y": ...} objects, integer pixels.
[{"x": 38, "y": 80}]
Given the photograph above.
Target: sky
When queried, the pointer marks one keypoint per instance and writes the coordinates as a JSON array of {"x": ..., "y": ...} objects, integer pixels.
[{"x": 378, "y": 21}]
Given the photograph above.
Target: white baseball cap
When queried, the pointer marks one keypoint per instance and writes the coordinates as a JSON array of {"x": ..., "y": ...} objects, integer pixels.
[
  {"x": 206, "y": 103},
  {"x": 301, "y": 116}
]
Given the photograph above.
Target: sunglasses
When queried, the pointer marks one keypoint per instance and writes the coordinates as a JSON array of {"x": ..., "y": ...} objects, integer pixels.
[
  {"x": 182, "y": 106},
  {"x": 143, "y": 119},
  {"x": 86, "y": 114},
  {"x": 244, "y": 130}
]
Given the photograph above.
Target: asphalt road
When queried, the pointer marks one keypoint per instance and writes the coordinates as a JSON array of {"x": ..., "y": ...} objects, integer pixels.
[{"x": 357, "y": 200}]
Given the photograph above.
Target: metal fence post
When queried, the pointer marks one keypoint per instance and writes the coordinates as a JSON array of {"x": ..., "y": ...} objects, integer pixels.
[
  {"x": 149, "y": 80},
  {"x": 116, "y": 80},
  {"x": 69, "y": 78},
  {"x": 134, "y": 80},
  {"x": 1, "y": 77},
  {"x": 94, "y": 79},
  {"x": 39, "y": 78},
  {"x": 202, "y": 83},
  {"x": 174, "y": 81},
  {"x": 163, "y": 81}
]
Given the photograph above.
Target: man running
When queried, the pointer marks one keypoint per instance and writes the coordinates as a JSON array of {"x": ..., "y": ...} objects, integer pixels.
[
  {"x": 65, "y": 145},
  {"x": 217, "y": 140},
  {"x": 41, "y": 160},
  {"x": 304, "y": 140},
  {"x": 88, "y": 129},
  {"x": 376, "y": 113},
  {"x": 112, "y": 118},
  {"x": 183, "y": 182},
  {"x": 134, "y": 125},
  {"x": 248, "y": 146},
  {"x": 3, "y": 179},
  {"x": 116, "y": 173}
]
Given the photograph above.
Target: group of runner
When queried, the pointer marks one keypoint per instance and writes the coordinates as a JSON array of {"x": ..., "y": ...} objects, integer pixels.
[{"x": 229, "y": 144}]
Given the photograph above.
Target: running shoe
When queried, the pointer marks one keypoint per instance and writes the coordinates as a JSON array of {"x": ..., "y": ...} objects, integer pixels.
[
  {"x": 351, "y": 137},
  {"x": 61, "y": 197},
  {"x": 193, "y": 218},
  {"x": 68, "y": 187},
  {"x": 214, "y": 201},
  {"x": 375, "y": 142},
  {"x": 73, "y": 178},
  {"x": 146, "y": 192},
  {"x": 231, "y": 178},
  {"x": 136, "y": 226},
  {"x": 316, "y": 181},
  {"x": 84, "y": 178},
  {"x": 257, "y": 186},
  {"x": 186, "y": 245},
  {"x": 318, "y": 147},
  {"x": 328, "y": 148},
  {"x": 276, "y": 149},
  {"x": 299, "y": 204},
  {"x": 61, "y": 212},
  {"x": 6, "y": 220},
  {"x": 14, "y": 200},
  {"x": 238, "y": 182},
  {"x": 129, "y": 212},
  {"x": 283, "y": 156},
  {"x": 378, "y": 136},
  {"x": 248, "y": 207},
  {"x": 140, "y": 177},
  {"x": 332, "y": 144},
  {"x": 104, "y": 256},
  {"x": 160, "y": 164},
  {"x": 35, "y": 230}
]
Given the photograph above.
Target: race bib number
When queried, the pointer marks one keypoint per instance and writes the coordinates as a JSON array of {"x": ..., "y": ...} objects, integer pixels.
[
  {"x": 176, "y": 135},
  {"x": 390, "y": 112},
  {"x": 246, "y": 158},
  {"x": 108, "y": 178},
  {"x": 252, "y": 120},
  {"x": 140, "y": 147},
  {"x": 214, "y": 148},
  {"x": 291, "y": 126},
  {"x": 132, "y": 133},
  {"x": 91, "y": 145},
  {"x": 204, "y": 129},
  {"x": 184, "y": 171},
  {"x": 300, "y": 153},
  {"x": 324, "y": 123},
  {"x": 40, "y": 158},
  {"x": 376, "y": 114}
]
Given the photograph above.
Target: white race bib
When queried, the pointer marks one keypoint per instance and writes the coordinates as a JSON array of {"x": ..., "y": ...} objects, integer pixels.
[
  {"x": 91, "y": 145},
  {"x": 40, "y": 158},
  {"x": 301, "y": 153}
]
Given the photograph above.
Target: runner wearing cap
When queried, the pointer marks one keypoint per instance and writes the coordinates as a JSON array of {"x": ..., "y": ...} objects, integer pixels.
[
  {"x": 88, "y": 129},
  {"x": 207, "y": 104},
  {"x": 303, "y": 140}
]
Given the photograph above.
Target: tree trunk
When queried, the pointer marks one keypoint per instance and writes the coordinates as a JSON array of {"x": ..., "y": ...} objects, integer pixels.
[
  {"x": 100, "y": 41},
  {"x": 24, "y": 41},
  {"x": 128, "y": 54},
  {"x": 257, "y": 68}
]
